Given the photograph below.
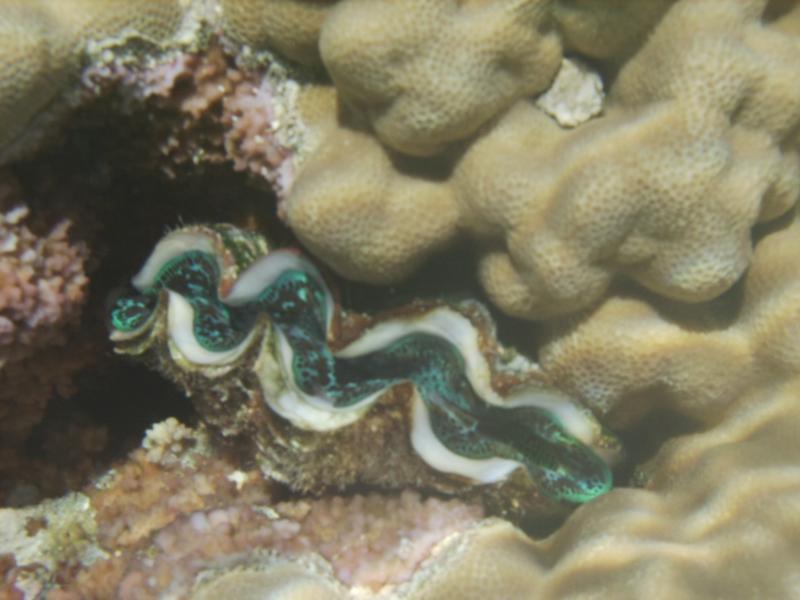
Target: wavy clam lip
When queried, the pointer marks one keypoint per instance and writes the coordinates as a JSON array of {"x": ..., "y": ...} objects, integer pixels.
[{"x": 459, "y": 425}]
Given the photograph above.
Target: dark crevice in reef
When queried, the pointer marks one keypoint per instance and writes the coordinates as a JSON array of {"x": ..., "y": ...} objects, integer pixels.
[
  {"x": 777, "y": 9},
  {"x": 643, "y": 442},
  {"x": 128, "y": 398},
  {"x": 450, "y": 276},
  {"x": 101, "y": 177},
  {"x": 82, "y": 435}
]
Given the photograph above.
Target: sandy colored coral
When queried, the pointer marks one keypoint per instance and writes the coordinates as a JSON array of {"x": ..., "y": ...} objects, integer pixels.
[
  {"x": 703, "y": 91},
  {"x": 714, "y": 351},
  {"x": 429, "y": 73},
  {"x": 291, "y": 27},
  {"x": 706, "y": 118},
  {"x": 785, "y": 16},
  {"x": 389, "y": 230},
  {"x": 560, "y": 214},
  {"x": 31, "y": 73},
  {"x": 695, "y": 147},
  {"x": 275, "y": 578},
  {"x": 45, "y": 43},
  {"x": 716, "y": 516},
  {"x": 716, "y": 513}
]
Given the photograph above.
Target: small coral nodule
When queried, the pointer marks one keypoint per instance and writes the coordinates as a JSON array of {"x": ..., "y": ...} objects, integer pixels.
[{"x": 224, "y": 304}]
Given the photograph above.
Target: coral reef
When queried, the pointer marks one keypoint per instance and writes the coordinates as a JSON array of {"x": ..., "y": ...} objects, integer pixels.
[
  {"x": 43, "y": 286},
  {"x": 45, "y": 43},
  {"x": 197, "y": 313},
  {"x": 358, "y": 537},
  {"x": 287, "y": 26},
  {"x": 402, "y": 220},
  {"x": 474, "y": 58},
  {"x": 715, "y": 506},
  {"x": 627, "y": 173},
  {"x": 455, "y": 80},
  {"x": 177, "y": 516},
  {"x": 162, "y": 56},
  {"x": 715, "y": 351},
  {"x": 560, "y": 213},
  {"x": 210, "y": 112}
]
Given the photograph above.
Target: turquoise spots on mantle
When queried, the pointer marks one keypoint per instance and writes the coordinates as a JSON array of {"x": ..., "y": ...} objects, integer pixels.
[{"x": 294, "y": 300}]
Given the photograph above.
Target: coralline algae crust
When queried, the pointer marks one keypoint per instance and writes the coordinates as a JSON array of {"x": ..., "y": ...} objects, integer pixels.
[{"x": 52, "y": 533}]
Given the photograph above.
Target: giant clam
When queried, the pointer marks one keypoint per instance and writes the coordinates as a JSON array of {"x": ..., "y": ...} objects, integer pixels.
[{"x": 422, "y": 397}]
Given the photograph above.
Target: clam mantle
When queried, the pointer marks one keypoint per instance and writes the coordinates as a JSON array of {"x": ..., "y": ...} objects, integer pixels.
[{"x": 255, "y": 337}]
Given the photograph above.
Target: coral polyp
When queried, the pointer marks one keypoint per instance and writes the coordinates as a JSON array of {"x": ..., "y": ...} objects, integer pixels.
[{"x": 222, "y": 301}]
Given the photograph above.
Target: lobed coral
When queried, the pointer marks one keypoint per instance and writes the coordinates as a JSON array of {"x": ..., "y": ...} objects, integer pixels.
[
  {"x": 417, "y": 385},
  {"x": 351, "y": 174},
  {"x": 717, "y": 504},
  {"x": 715, "y": 352},
  {"x": 289, "y": 27},
  {"x": 716, "y": 108}
]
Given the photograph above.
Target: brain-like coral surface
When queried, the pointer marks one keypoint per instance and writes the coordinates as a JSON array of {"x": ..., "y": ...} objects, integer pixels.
[
  {"x": 714, "y": 351},
  {"x": 608, "y": 31},
  {"x": 559, "y": 214}
]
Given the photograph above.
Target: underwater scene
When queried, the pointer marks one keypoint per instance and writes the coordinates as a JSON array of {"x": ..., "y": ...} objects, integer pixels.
[{"x": 399, "y": 299}]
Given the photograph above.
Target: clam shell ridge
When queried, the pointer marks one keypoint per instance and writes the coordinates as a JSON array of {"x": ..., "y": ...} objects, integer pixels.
[{"x": 251, "y": 335}]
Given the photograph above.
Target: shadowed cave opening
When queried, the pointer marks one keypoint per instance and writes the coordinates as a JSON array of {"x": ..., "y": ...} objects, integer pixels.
[{"x": 120, "y": 205}]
